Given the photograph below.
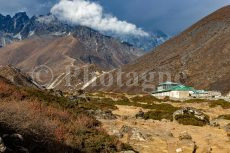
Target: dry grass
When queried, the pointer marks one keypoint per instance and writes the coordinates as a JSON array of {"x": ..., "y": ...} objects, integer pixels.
[{"x": 45, "y": 120}]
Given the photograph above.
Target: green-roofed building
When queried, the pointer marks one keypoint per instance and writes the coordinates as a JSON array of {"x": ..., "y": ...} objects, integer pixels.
[{"x": 173, "y": 90}]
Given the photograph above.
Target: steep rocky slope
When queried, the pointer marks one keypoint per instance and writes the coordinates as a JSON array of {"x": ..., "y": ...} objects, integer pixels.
[
  {"x": 16, "y": 77},
  {"x": 197, "y": 57}
]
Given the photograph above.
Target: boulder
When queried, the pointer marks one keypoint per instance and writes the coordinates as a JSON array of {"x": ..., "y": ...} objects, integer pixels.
[
  {"x": 12, "y": 143},
  {"x": 178, "y": 150},
  {"x": 2, "y": 146},
  {"x": 132, "y": 133},
  {"x": 227, "y": 129},
  {"x": 140, "y": 114},
  {"x": 128, "y": 151},
  {"x": 100, "y": 114},
  {"x": 185, "y": 136},
  {"x": 214, "y": 123}
]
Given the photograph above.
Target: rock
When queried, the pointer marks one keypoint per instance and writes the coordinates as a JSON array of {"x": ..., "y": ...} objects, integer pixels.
[
  {"x": 165, "y": 120},
  {"x": 129, "y": 151},
  {"x": 13, "y": 139},
  {"x": 209, "y": 150},
  {"x": 137, "y": 136},
  {"x": 185, "y": 136},
  {"x": 2, "y": 146},
  {"x": 126, "y": 129},
  {"x": 117, "y": 134},
  {"x": 178, "y": 150},
  {"x": 186, "y": 145},
  {"x": 107, "y": 115},
  {"x": 58, "y": 93},
  {"x": 12, "y": 143},
  {"x": 227, "y": 129},
  {"x": 125, "y": 117},
  {"x": 133, "y": 133},
  {"x": 140, "y": 114},
  {"x": 214, "y": 123},
  {"x": 169, "y": 134}
]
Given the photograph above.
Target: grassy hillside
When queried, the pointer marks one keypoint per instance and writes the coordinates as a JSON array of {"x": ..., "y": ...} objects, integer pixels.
[{"x": 46, "y": 120}]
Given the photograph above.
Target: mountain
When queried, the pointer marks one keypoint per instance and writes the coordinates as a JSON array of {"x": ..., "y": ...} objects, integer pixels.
[
  {"x": 145, "y": 43},
  {"x": 20, "y": 26},
  {"x": 44, "y": 40},
  {"x": 197, "y": 57}
]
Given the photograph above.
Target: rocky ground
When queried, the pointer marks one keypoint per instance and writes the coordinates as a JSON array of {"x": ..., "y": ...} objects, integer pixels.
[{"x": 152, "y": 136}]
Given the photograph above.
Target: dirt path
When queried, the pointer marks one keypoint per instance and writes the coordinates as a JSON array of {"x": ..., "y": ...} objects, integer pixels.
[{"x": 152, "y": 136}]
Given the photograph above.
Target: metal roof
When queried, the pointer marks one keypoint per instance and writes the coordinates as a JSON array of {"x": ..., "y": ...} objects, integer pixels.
[
  {"x": 177, "y": 88},
  {"x": 168, "y": 83},
  {"x": 182, "y": 88}
]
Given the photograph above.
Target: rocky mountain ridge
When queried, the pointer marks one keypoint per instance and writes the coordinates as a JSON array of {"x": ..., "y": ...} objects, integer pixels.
[
  {"x": 145, "y": 43},
  {"x": 20, "y": 26},
  {"x": 17, "y": 77}
]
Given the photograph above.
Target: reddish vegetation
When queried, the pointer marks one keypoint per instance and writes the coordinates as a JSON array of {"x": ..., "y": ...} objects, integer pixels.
[{"x": 46, "y": 123}]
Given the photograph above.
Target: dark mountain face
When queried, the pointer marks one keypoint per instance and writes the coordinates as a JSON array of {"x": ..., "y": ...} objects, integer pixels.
[
  {"x": 145, "y": 43},
  {"x": 21, "y": 26},
  {"x": 104, "y": 46}
]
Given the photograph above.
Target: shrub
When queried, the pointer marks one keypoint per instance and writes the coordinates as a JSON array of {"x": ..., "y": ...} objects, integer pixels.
[
  {"x": 160, "y": 111},
  {"x": 98, "y": 103},
  {"x": 195, "y": 101},
  {"x": 146, "y": 99},
  {"x": 226, "y": 117},
  {"x": 212, "y": 103},
  {"x": 158, "y": 115},
  {"x": 224, "y": 104},
  {"x": 190, "y": 119}
]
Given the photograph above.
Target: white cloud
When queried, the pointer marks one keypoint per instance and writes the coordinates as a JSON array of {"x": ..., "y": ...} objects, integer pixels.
[{"x": 91, "y": 14}]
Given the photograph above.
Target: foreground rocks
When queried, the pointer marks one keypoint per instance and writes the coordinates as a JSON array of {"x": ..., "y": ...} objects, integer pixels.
[
  {"x": 132, "y": 133},
  {"x": 100, "y": 114},
  {"x": 12, "y": 143}
]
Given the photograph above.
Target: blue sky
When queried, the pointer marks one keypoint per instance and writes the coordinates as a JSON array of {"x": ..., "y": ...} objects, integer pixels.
[{"x": 171, "y": 17}]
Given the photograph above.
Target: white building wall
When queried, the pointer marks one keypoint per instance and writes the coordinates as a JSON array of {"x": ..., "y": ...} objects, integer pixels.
[{"x": 173, "y": 94}]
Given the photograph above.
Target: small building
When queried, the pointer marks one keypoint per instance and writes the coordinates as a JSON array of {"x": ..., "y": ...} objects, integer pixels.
[
  {"x": 206, "y": 94},
  {"x": 173, "y": 90}
]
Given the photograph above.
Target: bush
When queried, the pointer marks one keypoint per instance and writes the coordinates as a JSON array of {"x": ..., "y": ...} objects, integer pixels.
[
  {"x": 160, "y": 111},
  {"x": 212, "y": 103},
  {"x": 195, "y": 101},
  {"x": 96, "y": 103},
  {"x": 146, "y": 99},
  {"x": 158, "y": 115},
  {"x": 224, "y": 104},
  {"x": 190, "y": 119},
  {"x": 226, "y": 117}
]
